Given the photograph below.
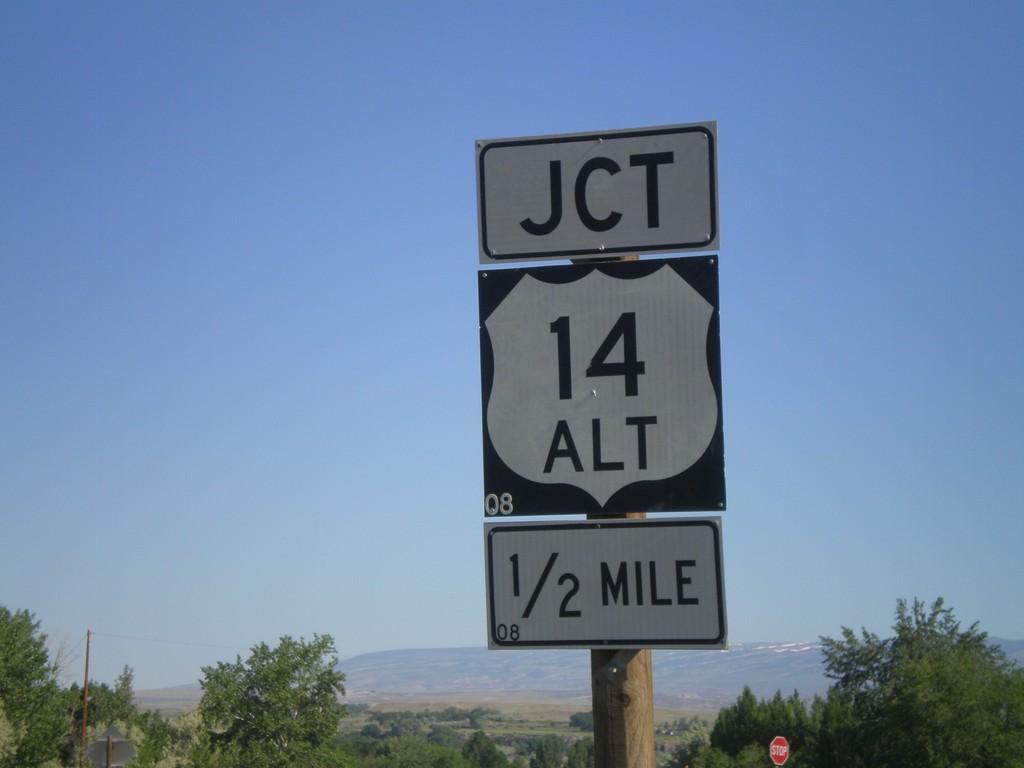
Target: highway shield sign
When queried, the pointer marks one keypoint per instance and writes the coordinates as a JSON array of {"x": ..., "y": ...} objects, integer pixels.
[{"x": 601, "y": 388}]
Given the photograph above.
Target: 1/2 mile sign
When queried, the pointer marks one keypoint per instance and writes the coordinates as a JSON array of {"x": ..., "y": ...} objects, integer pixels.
[
  {"x": 614, "y": 584},
  {"x": 602, "y": 388},
  {"x": 645, "y": 190}
]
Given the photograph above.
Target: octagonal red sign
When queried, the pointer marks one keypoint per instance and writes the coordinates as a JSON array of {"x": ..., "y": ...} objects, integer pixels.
[{"x": 778, "y": 750}]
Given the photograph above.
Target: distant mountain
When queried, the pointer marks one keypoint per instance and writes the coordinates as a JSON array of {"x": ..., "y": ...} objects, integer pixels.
[
  {"x": 698, "y": 679},
  {"x": 691, "y": 679},
  {"x": 1014, "y": 649},
  {"x": 695, "y": 679}
]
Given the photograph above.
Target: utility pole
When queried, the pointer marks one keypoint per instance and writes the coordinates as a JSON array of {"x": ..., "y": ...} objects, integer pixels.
[{"x": 85, "y": 697}]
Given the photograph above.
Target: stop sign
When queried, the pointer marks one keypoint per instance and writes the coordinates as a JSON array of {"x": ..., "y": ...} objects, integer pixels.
[{"x": 779, "y": 750}]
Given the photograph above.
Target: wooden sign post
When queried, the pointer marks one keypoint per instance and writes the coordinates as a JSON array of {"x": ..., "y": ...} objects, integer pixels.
[
  {"x": 622, "y": 688},
  {"x": 623, "y": 709}
]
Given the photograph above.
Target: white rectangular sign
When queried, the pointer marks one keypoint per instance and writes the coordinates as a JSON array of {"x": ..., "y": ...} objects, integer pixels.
[
  {"x": 645, "y": 190},
  {"x": 606, "y": 584}
]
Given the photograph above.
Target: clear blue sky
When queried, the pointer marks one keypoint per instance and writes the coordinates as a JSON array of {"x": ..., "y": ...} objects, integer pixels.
[{"x": 239, "y": 358}]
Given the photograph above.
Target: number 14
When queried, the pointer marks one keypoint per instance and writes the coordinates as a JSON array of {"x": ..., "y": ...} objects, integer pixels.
[{"x": 629, "y": 368}]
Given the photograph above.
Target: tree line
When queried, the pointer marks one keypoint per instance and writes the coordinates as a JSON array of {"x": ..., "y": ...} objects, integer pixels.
[
  {"x": 278, "y": 708},
  {"x": 933, "y": 695}
]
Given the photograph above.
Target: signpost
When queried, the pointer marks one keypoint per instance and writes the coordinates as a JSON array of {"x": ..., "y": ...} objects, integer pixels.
[
  {"x": 606, "y": 584},
  {"x": 602, "y": 388},
  {"x": 649, "y": 190},
  {"x": 778, "y": 750}
]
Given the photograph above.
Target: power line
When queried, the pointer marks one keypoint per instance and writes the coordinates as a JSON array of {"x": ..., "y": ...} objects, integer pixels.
[{"x": 166, "y": 641}]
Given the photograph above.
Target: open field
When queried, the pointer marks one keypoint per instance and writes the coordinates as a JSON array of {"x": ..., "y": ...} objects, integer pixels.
[
  {"x": 523, "y": 711},
  {"x": 511, "y": 720},
  {"x": 513, "y": 708},
  {"x": 511, "y": 724}
]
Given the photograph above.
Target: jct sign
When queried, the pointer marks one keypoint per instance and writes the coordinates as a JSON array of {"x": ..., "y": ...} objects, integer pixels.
[
  {"x": 602, "y": 388},
  {"x": 646, "y": 190}
]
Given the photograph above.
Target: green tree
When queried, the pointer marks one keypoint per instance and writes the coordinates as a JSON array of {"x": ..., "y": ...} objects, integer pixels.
[
  {"x": 581, "y": 754},
  {"x": 445, "y": 736},
  {"x": 696, "y": 739},
  {"x": 482, "y": 752},
  {"x": 713, "y": 758},
  {"x": 279, "y": 708},
  {"x": 755, "y": 756},
  {"x": 582, "y": 720},
  {"x": 164, "y": 742},
  {"x": 752, "y": 722},
  {"x": 8, "y": 738},
  {"x": 477, "y": 715},
  {"x": 33, "y": 722},
  {"x": 405, "y": 724},
  {"x": 834, "y": 731},
  {"x": 738, "y": 725},
  {"x": 547, "y": 752},
  {"x": 108, "y": 706},
  {"x": 931, "y": 696},
  {"x": 155, "y": 743},
  {"x": 408, "y": 751}
]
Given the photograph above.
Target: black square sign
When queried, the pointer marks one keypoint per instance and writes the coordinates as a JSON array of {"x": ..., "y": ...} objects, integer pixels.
[{"x": 602, "y": 389}]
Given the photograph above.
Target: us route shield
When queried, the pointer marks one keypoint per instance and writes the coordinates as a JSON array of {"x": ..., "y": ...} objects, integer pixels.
[{"x": 601, "y": 388}]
